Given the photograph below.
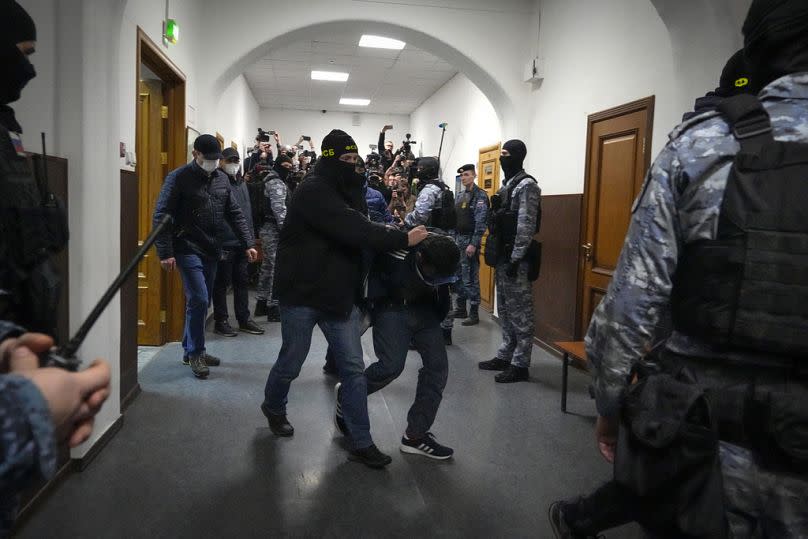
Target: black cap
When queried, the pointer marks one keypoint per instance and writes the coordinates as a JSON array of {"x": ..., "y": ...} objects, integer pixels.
[
  {"x": 338, "y": 143},
  {"x": 283, "y": 158},
  {"x": 464, "y": 168},
  {"x": 231, "y": 154},
  {"x": 16, "y": 25},
  {"x": 208, "y": 146}
]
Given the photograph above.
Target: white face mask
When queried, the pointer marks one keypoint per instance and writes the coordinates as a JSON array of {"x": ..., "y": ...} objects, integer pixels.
[
  {"x": 208, "y": 165},
  {"x": 231, "y": 168}
]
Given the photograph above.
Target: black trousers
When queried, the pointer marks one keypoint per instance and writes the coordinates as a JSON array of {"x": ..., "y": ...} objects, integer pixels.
[{"x": 232, "y": 269}]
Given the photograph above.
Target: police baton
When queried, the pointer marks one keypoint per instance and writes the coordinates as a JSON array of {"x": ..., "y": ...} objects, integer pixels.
[{"x": 65, "y": 356}]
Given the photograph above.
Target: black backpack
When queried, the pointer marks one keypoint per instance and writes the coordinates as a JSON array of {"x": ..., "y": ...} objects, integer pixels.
[{"x": 445, "y": 217}]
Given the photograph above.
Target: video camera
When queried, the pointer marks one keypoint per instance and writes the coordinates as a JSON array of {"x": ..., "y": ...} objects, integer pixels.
[
  {"x": 263, "y": 136},
  {"x": 406, "y": 147}
]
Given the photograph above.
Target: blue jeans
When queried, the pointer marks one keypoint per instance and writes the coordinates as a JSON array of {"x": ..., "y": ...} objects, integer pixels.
[
  {"x": 198, "y": 274},
  {"x": 393, "y": 329},
  {"x": 343, "y": 336}
]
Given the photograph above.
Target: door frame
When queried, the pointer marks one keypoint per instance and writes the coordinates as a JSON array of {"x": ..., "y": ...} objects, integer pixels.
[
  {"x": 646, "y": 103},
  {"x": 486, "y": 149}
]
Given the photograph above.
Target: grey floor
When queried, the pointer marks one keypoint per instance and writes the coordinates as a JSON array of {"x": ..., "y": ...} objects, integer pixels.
[{"x": 196, "y": 459}]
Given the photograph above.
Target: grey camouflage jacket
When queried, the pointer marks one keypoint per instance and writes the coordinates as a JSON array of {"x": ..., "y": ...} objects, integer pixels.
[
  {"x": 276, "y": 192},
  {"x": 525, "y": 200},
  {"x": 428, "y": 199},
  {"x": 679, "y": 204}
]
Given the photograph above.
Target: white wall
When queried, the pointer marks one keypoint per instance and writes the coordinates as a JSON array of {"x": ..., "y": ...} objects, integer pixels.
[
  {"x": 473, "y": 124},
  {"x": 237, "y": 115},
  {"x": 36, "y": 109},
  {"x": 292, "y": 123},
  {"x": 148, "y": 15}
]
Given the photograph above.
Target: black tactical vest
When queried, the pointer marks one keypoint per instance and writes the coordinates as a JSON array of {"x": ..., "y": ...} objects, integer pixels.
[
  {"x": 465, "y": 212},
  {"x": 747, "y": 290}
]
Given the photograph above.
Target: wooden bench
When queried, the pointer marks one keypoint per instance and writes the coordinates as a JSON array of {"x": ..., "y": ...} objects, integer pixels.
[{"x": 575, "y": 350}]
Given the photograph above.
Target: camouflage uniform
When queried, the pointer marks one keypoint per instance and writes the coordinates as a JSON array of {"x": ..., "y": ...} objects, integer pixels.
[
  {"x": 469, "y": 285},
  {"x": 28, "y": 448},
  {"x": 680, "y": 204},
  {"x": 276, "y": 193},
  {"x": 428, "y": 199},
  {"x": 514, "y": 294}
]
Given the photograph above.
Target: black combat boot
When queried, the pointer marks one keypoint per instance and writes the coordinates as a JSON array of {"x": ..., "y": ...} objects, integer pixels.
[
  {"x": 278, "y": 423},
  {"x": 273, "y": 314},
  {"x": 495, "y": 364},
  {"x": 260, "y": 308},
  {"x": 513, "y": 374},
  {"x": 474, "y": 316},
  {"x": 460, "y": 309},
  {"x": 447, "y": 336}
]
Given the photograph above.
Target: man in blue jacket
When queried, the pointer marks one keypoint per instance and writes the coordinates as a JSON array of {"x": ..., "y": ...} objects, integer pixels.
[{"x": 200, "y": 199}]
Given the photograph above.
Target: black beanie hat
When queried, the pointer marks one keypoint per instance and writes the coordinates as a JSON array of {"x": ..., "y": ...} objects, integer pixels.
[
  {"x": 336, "y": 144},
  {"x": 736, "y": 77},
  {"x": 771, "y": 26},
  {"x": 16, "y": 25},
  {"x": 517, "y": 149}
]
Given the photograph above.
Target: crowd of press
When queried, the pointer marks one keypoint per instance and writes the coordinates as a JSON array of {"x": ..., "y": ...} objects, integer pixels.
[{"x": 697, "y": 351}]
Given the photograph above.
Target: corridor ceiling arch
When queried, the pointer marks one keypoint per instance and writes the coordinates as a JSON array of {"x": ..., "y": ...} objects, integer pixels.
[{"x": 502, "y": 102}]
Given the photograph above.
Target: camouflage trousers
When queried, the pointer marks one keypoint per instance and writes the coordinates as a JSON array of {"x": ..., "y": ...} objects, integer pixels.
[
  {"x": 761, "y": 503},
  {"x": 270, "y": 236},
  {"x": 468, "y": 286},
  {"x": 515, "y": 310}
]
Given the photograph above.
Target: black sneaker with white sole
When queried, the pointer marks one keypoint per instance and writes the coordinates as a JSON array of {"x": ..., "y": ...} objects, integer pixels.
[
  {"x": 370, "y": 457},
  {"x": 339, "y": 420},
  {"x": 427, "y": 446}
]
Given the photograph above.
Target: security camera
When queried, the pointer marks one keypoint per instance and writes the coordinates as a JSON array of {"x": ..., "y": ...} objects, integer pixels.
[{"x": 324, "y": 111}]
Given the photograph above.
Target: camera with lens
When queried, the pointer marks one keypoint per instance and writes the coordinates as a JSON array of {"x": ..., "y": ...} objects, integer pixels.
[
  {"x": 263, "y": 136},
  {"x": 406, "y": 147}
]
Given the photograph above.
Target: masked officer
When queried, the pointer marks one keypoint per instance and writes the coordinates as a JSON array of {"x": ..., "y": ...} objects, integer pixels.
[
  {"x": 199, "y": 197},
  {"x": 431, "y": 212},
  {"x": 718, "y": 238},
  {"x": 521, "y": 198},
  {"x": 32, "y": 220},
  {"x": 277, "y": 193},
  {"x": 472, "y": 218}
]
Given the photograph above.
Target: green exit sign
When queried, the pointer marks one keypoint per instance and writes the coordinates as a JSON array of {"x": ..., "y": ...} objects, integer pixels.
[{"x": 172, "y": 31}]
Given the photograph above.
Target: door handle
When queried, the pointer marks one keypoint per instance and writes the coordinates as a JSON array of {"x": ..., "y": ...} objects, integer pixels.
[{"x": 587, "y": 247}]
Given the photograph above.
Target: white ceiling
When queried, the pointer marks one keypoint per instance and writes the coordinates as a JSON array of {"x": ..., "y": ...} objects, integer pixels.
[{"x": 396, "y": 82}]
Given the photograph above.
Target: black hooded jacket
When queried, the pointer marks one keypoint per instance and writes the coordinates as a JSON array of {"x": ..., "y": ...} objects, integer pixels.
[{"x": 319, "y": 261}]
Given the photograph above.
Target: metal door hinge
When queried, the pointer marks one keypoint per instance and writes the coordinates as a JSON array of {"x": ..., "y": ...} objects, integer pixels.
[
  {"x": 162, "y": 317},
  {"x": 164, "y": 112},
  {"x": 643, "y": 145},
  {"x": 163, "y": 158}
]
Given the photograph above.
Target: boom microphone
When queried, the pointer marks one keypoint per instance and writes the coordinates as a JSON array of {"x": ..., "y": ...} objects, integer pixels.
[{"x": 443, "y": 125}]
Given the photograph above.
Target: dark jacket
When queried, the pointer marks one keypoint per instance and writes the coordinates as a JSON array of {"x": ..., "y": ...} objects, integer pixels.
[
  {"x": 255, "y": 158},
  {"x": 200, "y": 206},
  {"x": 227, "y": 237},
  {"x": 387, "y": 157},
  {"x": 394, "y": 279},
  {"x": 319, "y": 261}
]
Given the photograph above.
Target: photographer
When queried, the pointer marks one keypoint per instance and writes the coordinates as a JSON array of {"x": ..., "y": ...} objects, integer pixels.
[
  {"x": 261, "y": 153},
  {"x": 386, "y": 148}
]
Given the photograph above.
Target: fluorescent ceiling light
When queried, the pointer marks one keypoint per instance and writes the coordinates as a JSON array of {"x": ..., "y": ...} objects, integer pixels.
[
  {"x": 329, "y": 75},
  {"x": 352, "y": 101},
  {"x": 379, "y": 42}
]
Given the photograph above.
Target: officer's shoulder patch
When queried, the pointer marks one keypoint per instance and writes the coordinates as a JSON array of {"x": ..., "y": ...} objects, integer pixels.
[{"x": 16, "y": 141}]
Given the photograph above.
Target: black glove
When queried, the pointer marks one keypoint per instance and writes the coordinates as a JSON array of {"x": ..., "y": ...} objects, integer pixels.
[{"x": 513, "y": 269}]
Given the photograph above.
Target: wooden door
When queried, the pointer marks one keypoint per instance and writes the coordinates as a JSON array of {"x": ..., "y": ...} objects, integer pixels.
[
  {"x": 488, "y": 180},
  {"x": 618, "y": 156},
  {"x": 151, "y": 171}
]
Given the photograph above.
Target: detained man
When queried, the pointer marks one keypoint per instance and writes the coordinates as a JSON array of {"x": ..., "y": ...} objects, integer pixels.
[{"x": 320, "y": 280}]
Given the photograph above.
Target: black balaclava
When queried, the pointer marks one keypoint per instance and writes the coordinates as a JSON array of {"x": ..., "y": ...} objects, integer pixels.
[
  {"x": 428, "y": 169},
  {"x": 776, "y": 39},
  {"x": 336, "y": 144},
  {"x": 512, "y": 164},
  {"x": 735, "y": 78},
  {"x": 282, "y": 172},
  {"x": 16, "y": 26}
]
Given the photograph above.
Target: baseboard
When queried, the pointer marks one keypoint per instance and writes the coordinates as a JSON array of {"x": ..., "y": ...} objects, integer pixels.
[
  {"x": 130, "y": 397},
  {"x": 82, "y": 463},
  {"x": 30, "y": 507}
]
